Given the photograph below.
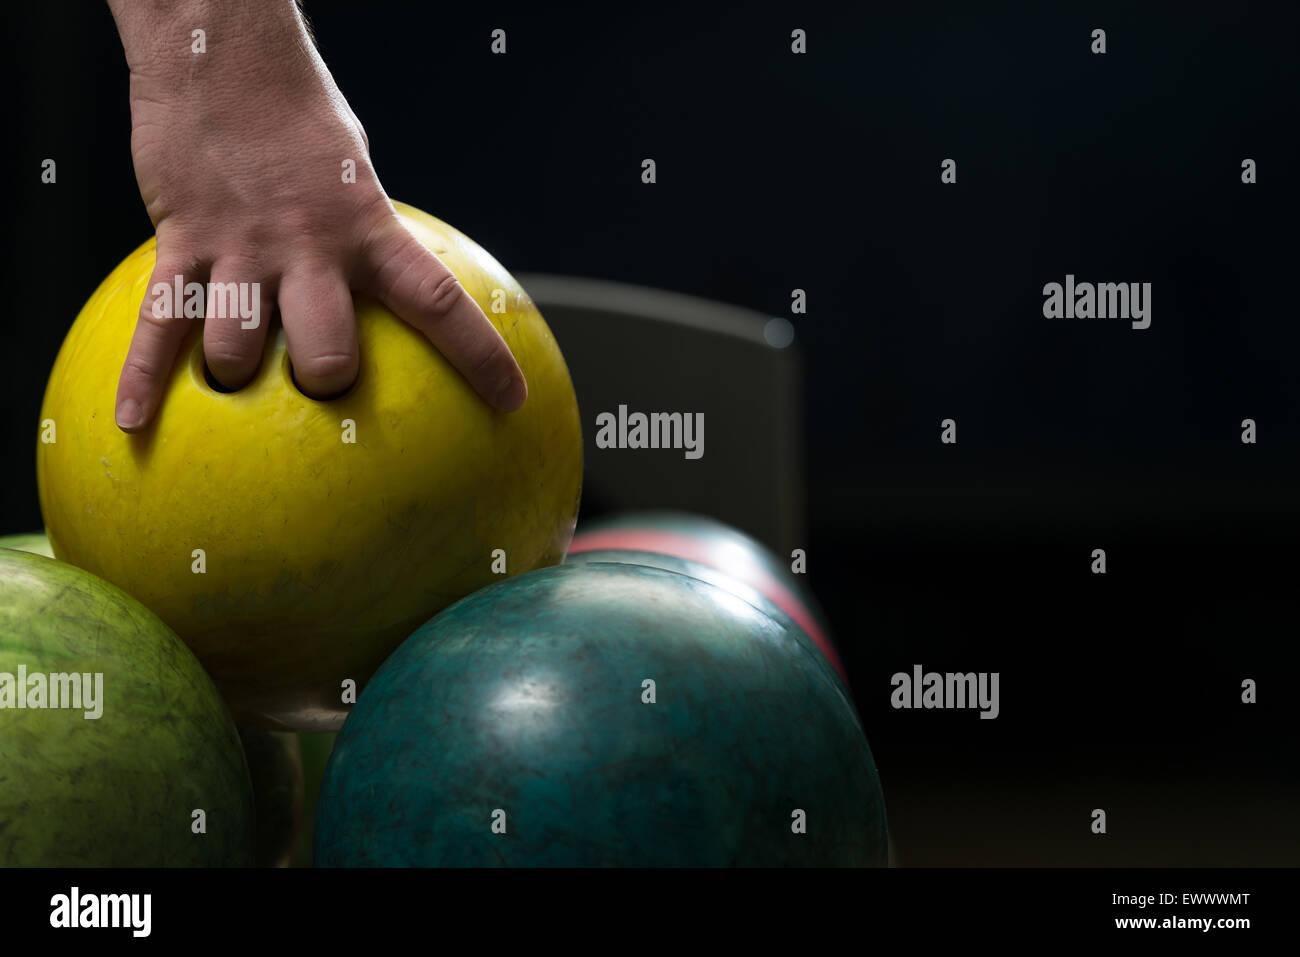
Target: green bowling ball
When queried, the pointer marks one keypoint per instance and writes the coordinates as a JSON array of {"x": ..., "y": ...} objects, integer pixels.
[
  {"x": 34, "y": 542},
  {"x": 602, "y": 715},
  {"x": 115, "y": 748}
]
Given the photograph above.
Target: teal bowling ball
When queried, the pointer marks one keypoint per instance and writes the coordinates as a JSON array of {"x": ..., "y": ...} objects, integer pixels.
[
  {"x": 692, "y": 569},
  {"x": 707, "y": 541},
  {"x": 602, "y": 715}
]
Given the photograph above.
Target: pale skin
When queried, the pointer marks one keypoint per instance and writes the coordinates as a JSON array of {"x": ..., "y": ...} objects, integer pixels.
[{"x": 239, "y": 154}]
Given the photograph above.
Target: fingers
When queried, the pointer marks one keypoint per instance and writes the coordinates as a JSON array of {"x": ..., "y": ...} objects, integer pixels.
[
  {"x": 159, "y": 330},
  {"x": 417, "y": 286},
  {"x": 320, "y": 329},
  {"x": 319, "y": 323},
  {"x": 235, "y": 321}
]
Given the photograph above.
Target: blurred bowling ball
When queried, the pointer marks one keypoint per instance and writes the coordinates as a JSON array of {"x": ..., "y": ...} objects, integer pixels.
[
  {"x": 684, "y": 566},
  {"x": 275, "y": 766},
  {"x": 294, "y": 543},
  {"x": 139, "y": 742},
  {"x": 315, "y": 750},
  {"x": 602, "y": 715},
  {"x": 719, "y": 546},
  {"x": 34, "y": 542}
]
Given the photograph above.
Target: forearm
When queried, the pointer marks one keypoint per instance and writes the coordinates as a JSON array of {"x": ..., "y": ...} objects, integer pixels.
[{"x": 264, "y": 43}]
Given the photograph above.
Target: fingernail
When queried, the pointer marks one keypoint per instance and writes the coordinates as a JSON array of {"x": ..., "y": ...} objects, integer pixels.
[
  {"x": 128, "y": 414},
  {"x": 511, "y": 395}
]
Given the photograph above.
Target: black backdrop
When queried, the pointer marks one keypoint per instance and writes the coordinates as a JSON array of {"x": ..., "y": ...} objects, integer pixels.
[{"x": 822, "y": 172}]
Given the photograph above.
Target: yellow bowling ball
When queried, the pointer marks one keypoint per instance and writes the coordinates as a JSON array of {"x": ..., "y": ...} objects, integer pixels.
[{"x": 294, "y": 543}]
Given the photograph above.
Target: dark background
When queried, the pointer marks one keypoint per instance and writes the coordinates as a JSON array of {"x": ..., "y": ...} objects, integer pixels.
[{"x": 821, "y": 172}]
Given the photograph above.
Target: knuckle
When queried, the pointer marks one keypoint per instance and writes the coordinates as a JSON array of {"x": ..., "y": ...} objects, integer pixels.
[
  {"x": 228, "y": 356},
  {"x": 139, "y": 368},
  {"x": 334, "y": 368},
  {"x": 165, "y": 324},
  {"x": 227, "y": 340},
  {"x": 185, "y": 265},
  {"x": 438, "y": 295},
  {"x": 490, "y": 359}
]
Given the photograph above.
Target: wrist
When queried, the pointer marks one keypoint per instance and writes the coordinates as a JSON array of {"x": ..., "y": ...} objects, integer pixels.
[{"x": 176, "y": 44}]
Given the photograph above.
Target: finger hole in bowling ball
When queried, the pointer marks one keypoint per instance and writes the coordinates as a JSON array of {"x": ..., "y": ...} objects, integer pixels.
[
  {"x": 287, "y": 367},
  {"x": 212, "y": 382},
  {"x": 201, "y": 375}
]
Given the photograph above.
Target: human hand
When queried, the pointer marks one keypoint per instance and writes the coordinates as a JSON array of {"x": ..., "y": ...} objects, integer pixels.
[{"x": 239, "y": 154}]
